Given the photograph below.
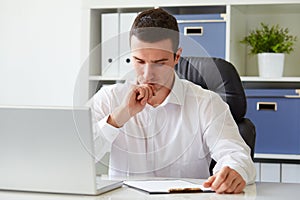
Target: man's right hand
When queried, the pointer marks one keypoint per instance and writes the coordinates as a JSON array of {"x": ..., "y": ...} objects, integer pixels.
[{"x": 134, "y": 103}]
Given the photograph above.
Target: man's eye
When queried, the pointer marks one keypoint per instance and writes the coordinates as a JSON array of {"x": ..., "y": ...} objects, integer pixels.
[
  {"x": 140, "y": 61},
  {"x": 159, "y": 64}
]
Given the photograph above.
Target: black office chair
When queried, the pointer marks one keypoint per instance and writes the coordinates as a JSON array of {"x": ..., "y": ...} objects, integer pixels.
[{"x": 221, "y": 77}]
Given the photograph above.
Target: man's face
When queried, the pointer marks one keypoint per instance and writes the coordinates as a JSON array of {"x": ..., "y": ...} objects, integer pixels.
[{"x": 154, "y": 62}]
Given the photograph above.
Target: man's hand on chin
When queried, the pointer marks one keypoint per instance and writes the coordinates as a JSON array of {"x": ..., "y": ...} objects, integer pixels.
[{"x": 227, "y": 180}]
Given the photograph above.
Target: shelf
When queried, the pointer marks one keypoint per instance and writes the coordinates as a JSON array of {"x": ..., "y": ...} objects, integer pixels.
[
  {"x": 103, "y": 78},
  {"x": 262, "y": 79},
  {"x": 255, "y": 82},
  {"x": 277, "y": 158}
]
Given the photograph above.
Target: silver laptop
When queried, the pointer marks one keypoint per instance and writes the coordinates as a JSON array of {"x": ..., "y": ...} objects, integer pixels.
[{"x": 49, "y": 150}]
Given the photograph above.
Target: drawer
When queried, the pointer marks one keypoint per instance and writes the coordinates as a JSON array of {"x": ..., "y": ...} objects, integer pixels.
[
  {"x": 270, "y": 172},
  {"x": 277, "y": 120},
  {"x": 291, "y": 173},
  {"x": 202, "y": 35}
]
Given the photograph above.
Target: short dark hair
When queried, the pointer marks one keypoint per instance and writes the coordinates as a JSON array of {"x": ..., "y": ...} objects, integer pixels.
[{"x": 155, "y": 25}]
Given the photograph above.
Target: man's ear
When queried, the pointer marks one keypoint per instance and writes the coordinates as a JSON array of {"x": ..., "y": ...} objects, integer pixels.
[{"x": 178, "y": 54}]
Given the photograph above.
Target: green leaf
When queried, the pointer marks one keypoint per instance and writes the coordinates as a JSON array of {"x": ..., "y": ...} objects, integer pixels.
[{"x": 270, "y": 39}]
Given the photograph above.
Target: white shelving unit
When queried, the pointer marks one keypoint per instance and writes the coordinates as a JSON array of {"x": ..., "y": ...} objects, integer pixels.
[{"x": 242, "y": 16}]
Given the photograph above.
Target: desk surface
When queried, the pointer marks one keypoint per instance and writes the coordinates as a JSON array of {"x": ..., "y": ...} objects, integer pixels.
[{"x": 258, "y": 191}]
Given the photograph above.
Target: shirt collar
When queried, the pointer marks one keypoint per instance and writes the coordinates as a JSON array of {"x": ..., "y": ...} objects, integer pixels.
[{"x": 176, "y": 95}]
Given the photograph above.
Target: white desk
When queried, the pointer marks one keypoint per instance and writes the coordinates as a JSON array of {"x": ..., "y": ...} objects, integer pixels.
[{"x": 258, "y": 191}]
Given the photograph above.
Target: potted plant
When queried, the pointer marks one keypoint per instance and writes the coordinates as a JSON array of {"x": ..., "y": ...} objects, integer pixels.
[{"x": 270, "y": 44}]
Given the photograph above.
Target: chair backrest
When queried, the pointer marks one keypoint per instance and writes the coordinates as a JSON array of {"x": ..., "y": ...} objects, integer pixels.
[
  {"x": 221, "y": 77},
  {"x": 217, "y": 75}
]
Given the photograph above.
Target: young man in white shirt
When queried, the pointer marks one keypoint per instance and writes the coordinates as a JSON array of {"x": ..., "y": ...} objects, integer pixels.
[{"x": 163, "y": 126}]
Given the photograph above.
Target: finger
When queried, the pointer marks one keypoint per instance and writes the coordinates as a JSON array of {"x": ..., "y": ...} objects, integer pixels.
[
  {"x": 146, "y": 96},
  {"x": 237, "y": 182},
  {"x": 140, "y": 93},
  {"x": 209, "y": 181},
  {"x": 232, "y": 187},
  {"x": 240, "y": 187},
  {"x": 132, "y": 96},
  {"x": 150, "y": 91},
  {"x": 221, "y": 176},
  {"x": 228, "y": 186},
  {"x": 143, "y": 94}
]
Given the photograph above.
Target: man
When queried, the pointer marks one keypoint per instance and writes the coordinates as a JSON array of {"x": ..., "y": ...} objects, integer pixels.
[{"x": 161, "y": 125}]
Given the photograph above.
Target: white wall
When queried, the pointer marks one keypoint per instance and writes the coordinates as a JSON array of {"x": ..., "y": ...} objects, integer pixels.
[{"x": 39, "y": 51}]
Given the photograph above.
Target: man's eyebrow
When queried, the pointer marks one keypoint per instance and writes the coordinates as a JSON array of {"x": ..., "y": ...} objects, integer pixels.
[
  {"x": 137, "y": 58},
  {"x": 153, "y": 61},
  {"x": 160, "y": 60}
]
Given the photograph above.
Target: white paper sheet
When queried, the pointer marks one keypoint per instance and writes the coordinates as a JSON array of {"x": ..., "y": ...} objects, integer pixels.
[{"x": 166, "y": 186}]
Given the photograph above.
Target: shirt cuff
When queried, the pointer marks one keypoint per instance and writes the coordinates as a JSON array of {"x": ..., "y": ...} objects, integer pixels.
[
  {"x": 249, "y": 178},
  {"x": 109, "y": 132}
]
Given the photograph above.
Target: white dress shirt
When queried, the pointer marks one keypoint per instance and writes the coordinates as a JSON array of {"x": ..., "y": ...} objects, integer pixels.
[{"x": 175, "y": 139}]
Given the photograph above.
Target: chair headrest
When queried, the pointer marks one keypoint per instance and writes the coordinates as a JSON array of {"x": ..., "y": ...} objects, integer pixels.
[{"x": 216, "y": 75}]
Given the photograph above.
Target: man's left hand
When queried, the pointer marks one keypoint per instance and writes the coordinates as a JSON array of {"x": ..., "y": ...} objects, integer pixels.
[{"x": 227, "y": 180}]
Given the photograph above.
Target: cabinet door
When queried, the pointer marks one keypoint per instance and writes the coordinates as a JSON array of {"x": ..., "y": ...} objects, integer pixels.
[
  {"x": 207, "y": 31},
  {"x": 110, "y": 44},
  {"x": 277, "y": 124}
]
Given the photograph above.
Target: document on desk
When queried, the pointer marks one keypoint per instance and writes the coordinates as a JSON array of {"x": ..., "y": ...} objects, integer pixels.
[{"x": 166, "y": 186}]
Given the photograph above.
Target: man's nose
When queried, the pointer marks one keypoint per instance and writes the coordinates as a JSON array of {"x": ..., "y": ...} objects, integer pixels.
[{"x": 148, "y": 72}]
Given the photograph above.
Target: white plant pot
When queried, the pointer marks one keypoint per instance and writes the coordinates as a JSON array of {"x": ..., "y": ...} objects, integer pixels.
[{"x": 270, "y": 65}]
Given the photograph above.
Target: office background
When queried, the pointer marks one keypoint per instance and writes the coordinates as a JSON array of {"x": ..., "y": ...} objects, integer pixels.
[
  {"x": 40, "y": 51},
  {"x": 44, "y": 46}
]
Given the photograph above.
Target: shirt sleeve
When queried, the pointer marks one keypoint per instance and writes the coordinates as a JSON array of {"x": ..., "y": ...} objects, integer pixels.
[
  {"x": 224, "y": 141},
  {"x": 104, "y": 133}
]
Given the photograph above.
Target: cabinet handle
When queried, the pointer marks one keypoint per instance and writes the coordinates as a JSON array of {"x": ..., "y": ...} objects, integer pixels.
[
  {"x": 292, "y": 96},
  {"x": 266, "y": 106},
  {"x": 193, "y": 30},
  {"x": 297, "y": 91}
]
